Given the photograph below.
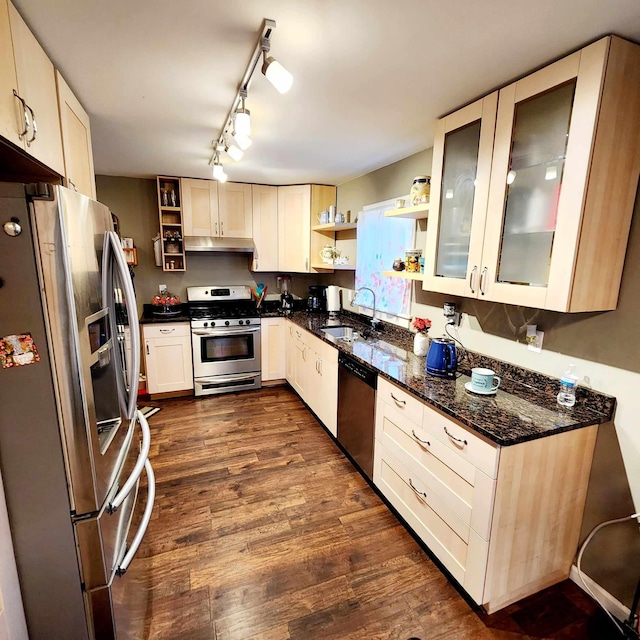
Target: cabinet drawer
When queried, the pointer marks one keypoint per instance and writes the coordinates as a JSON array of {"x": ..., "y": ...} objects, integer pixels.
[
  {"x": 470, "y": 447},
  {"x": 406, "y": 404},
  {"x": 466, "y": 560},
  {"x": 167, "y": 329},
  {"x": 467, "y": 497}
]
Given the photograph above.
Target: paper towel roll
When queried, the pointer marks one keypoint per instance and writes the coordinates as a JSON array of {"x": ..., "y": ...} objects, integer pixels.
[{"x": 333, "y": 298}]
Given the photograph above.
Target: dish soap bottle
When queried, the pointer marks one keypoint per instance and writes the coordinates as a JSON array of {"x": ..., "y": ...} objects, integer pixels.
[{"x": 568, "y": 382}]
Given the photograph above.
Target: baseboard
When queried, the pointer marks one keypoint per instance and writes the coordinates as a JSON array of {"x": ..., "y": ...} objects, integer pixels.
[{"x": 613, "y": 606}]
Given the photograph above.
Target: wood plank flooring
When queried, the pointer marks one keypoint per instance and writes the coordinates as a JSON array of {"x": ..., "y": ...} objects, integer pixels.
[{"x": 263, "y": 529}]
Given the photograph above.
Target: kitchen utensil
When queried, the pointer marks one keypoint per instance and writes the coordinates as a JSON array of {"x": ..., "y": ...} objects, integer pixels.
[
  {"x": 263, "y": 293},
  {"x": 333, "y": 299},
  {"x": 339, "y": 218},
  {"x": 323, "y": 218},
  {"x": 441, "y": 358},
  {"x": 317, "y": 299}
]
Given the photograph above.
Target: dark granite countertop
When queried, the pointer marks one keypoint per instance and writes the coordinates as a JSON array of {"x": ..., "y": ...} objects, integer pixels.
[
  {"x": 524, "y": 407},
  {"x": 150, "y": 314}
]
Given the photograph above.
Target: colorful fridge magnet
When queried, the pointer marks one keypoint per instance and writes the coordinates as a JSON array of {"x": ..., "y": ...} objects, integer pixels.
[{"x": 18, "y": 350}]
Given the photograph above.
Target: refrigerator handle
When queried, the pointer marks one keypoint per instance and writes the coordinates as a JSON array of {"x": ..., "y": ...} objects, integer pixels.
[
  {"x": 139, "y": 466},
  {"x": 146, "y": 517},
  {"x": 132, "y": 313}
]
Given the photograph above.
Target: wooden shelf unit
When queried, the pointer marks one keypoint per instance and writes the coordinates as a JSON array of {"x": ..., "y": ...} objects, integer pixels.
[
  {"x": 407, "y": 275},
  {"x": 418, "y": 212},
  {"x": 171, "y": 223},
  {"x": 345, "y": 226},
  {"x": 333, "y": 267}
]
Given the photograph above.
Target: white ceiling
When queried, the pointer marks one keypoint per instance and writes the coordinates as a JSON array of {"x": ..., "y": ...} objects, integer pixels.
[{"x": 158, "y": 76}]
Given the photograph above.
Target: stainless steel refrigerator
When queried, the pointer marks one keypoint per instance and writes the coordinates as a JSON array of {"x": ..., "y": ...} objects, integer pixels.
[{"x": 73, "y": 445}]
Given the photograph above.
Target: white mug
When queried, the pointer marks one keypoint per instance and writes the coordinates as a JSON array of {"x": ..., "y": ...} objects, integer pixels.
[
  {"x": 484, "y": 379},
  {"x": 323, "y": 218},
  {"x": 339, "y": 218}
]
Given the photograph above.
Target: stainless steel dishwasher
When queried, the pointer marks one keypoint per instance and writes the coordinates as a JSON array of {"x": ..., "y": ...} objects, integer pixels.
[{"x": 357, "y": 385}]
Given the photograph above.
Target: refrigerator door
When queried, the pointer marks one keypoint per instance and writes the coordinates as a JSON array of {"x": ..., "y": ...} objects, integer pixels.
[{"x": 71, "y": 231}]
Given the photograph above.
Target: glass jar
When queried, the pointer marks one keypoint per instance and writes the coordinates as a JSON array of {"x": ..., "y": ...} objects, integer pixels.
[{"x": 420, "y": 190}]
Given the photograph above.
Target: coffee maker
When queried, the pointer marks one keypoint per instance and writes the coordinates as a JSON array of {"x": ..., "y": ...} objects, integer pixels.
[
  {"x": 317, "y": 300},
  {"x": 286, "y": 299}
]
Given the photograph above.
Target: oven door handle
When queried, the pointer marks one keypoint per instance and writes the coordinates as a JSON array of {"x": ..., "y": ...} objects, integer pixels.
[
  {"x": 225, "y": 379},
  {"x": 224, "y": 332}
]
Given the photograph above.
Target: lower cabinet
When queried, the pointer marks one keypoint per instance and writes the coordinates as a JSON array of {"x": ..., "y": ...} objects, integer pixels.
[
  {"x": 504, "y": 521},
  {"x": 272, "y": 347},
  {"x": 312, "y": 370},
  {"x": 167, "y": 354}
]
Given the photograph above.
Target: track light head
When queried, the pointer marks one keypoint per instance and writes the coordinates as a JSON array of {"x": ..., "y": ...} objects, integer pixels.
[
  {"x": 234, "y": 152},
  {"x": 244, "y": 142},
  {"x": 276, "y": 74}
]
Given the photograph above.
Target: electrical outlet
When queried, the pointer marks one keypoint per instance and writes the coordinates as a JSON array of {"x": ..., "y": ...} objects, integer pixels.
[
  {"x": 162, "y": 287},
  {"x": 534, "y": 338}
]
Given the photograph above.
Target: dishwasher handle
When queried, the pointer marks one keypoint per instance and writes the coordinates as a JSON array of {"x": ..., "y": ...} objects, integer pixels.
[{"x": 367, "y": 375}]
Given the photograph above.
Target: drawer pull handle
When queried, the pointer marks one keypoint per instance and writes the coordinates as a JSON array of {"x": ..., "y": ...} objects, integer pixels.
[
  {"x": 402, "y": 402},
  {"x": 167, "y": 330},
  {"x": 454, "y": 438},
  {"x": 419, "y": 439},
  {"x": 420, "y": 493}
]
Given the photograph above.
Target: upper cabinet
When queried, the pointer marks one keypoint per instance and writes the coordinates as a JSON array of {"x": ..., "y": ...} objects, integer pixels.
[
  {"x": 537, "y": 212},
  {"x": 76, "y": 141},
  {"x": 216, "y": 210},
  {"x": 235, "y": 210},
  {"x": 172, "y": 232},
  {"x": 36, "y": 120},
  {"x": 265, "y": 228},
  {"x": 299, "y": 207},
  {"x": 200, "y": 207}
]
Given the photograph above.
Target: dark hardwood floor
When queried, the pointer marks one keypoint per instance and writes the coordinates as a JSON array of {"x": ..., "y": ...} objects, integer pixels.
[{"x": 263, "y": 529}]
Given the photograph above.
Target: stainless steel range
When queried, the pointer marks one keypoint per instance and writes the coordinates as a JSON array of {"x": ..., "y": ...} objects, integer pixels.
[{"x": 225, "y": 334}]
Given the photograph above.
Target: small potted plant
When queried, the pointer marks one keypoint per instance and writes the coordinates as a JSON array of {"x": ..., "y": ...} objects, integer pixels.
[{"x": 421, "y": 339}]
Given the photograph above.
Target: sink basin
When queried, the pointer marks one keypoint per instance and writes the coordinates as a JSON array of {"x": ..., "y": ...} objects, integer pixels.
[{"x": 336, "y": 332}]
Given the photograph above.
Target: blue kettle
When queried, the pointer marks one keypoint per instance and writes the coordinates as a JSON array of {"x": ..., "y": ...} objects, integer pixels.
[{"x": 441, "y": 358}]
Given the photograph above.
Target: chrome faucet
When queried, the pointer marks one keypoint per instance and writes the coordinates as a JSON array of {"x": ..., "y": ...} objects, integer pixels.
[{"x": 374, "y": 321}]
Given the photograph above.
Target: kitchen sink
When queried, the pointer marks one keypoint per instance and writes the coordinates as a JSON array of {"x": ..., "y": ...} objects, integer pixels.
[{"x": 336, "y": 332}]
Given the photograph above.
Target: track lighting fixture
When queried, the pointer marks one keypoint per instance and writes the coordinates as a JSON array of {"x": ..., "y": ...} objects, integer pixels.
[
  {"x": 275, "y": 73},
  {"x": 244, "y": 142},
  {"x": 242, "y": 117},
  {"x": 234, "y": 151},
  {"x": 234, "y": 135}
]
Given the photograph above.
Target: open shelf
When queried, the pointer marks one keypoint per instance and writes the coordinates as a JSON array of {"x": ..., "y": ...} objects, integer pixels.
[
  {"x": 407, "y": 275},
  {"x": 418, "y": 212},
  {"x": 345, "y": 226},
  {"x": 334, "y": 267}
]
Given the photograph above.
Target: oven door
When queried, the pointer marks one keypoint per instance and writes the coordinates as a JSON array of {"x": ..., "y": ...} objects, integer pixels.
[{"x": 225, "y": 351}]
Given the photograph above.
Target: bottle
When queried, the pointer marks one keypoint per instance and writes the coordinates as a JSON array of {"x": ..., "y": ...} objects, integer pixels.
[{"x": 568, "y": 382}]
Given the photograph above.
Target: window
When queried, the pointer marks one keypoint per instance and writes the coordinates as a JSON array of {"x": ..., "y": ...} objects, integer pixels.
[{"x": 380, "y": 241}]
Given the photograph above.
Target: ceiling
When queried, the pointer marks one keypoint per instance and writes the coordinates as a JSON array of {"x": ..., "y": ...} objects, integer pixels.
[{"x": 158, "y": 76}]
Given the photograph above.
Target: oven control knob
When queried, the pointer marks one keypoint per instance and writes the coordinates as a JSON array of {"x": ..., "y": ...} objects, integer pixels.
[
  {"x": 213, "y": 324},
  {"x": 206, "y": 324},
  {"x": 247, "y": 321},
  {"x": 240, "y": 322},
  {"x": 226, "y": 322}
]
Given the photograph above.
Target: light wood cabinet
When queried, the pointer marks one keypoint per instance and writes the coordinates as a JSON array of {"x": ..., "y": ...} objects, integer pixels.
[
  {"x": 312, "y": 370},
  {"x": 168, "y": 361},
  {"x": 11, "y": 115},
  {"x": 215, "y": 210},
  {"x": 235, "y": 210},
  {"x": 563, "y": 179},
  {"x": 36, "y": 85},
  {"x": 76, "y": 141},
  {"x": 265, "y": 228},
  {"x": 505, "y": 521},
  {"x": 273, "y": 345},
  {"x": 200, "y": 207},
  {"x": 298, "y": 209}
]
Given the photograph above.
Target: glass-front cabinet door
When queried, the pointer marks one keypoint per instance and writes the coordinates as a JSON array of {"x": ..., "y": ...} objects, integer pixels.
[
  {"x": 544, "y": 134},
  {"x": 460, "y": 175}
]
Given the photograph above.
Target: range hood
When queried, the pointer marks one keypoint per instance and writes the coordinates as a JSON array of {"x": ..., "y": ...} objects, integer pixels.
[{"x": 205, "y": 243}]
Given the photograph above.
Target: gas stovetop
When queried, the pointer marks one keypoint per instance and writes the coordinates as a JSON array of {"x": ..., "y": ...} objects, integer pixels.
[{"x": 221, "y": 302}]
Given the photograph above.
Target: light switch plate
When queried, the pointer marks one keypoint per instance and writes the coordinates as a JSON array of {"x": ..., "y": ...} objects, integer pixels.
[
  {"x": 162, "y": 287},
  {"x": 534, "y": 338}
]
